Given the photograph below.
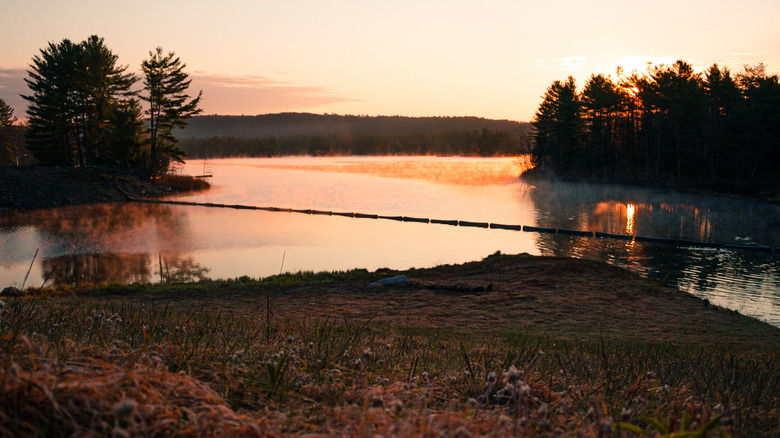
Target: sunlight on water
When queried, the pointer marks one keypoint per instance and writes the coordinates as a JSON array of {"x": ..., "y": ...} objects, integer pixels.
[{"x": 152, "y": 243}]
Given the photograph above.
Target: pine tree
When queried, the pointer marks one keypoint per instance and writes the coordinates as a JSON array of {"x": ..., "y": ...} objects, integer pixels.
[
  {"x": 6, "y": 136},
  {"x": 165, "y": 91},
  {"x": 558, "y": 128},
  {"x": 75, "y": 88},
  {"x": 51, "y": 116},
  {"x": 104, "y": 87}
]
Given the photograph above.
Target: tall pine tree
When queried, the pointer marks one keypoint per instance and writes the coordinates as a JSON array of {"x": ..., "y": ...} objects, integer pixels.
[
  {"x": 51, "y": 115},
  {"x": 165, "y": 91},
  {"x": 558, "y": 128},
  {"x": 75, "y": 90}
]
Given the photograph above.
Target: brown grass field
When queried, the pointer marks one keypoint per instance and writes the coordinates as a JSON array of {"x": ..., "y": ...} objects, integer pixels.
[{"x": 508, "y": 346}]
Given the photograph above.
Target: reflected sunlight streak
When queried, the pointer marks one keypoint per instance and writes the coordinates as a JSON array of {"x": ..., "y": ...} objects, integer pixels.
[{"x": 630, "y": 208}]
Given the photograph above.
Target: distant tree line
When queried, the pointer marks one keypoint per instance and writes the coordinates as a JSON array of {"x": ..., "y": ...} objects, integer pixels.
[
  {"x": 667, "y": 124},
  {"x": 482, "y": 142},
  {"x": 83, "y": 111},
  {"x": 307, "y": 124}
]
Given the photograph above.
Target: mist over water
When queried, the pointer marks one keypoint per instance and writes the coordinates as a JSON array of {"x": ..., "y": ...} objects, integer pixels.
[{"x": 152, "y": 243}]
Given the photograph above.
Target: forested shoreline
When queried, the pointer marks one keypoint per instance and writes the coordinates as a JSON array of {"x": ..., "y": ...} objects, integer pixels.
[
  {"x": 483, "y": 142},
  {"x": 667, "y": 125},
  {"x": 271, "y": 135},
  {"x": 85, "y": 112}
]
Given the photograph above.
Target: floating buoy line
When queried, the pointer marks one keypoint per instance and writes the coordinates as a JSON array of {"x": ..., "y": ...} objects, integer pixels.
[{"x": 458, "y": 223}]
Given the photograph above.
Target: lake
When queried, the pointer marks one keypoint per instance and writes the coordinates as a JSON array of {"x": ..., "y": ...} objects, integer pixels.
[{"x": 140, "y": 242}]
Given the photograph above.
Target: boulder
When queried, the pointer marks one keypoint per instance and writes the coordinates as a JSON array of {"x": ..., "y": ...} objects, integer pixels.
[{"x": 398, "y": 280}]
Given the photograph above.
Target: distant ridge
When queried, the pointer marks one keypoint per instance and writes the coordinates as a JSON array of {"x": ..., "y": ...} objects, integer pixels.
[{"x": 306, "y": 124}]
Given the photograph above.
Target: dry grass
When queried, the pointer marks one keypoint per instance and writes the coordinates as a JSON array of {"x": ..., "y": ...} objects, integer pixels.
[{"x": 210, "y": 360}]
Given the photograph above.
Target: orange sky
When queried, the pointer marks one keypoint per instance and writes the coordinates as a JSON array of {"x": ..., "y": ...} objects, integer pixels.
[{"x": 417, "y": 58}]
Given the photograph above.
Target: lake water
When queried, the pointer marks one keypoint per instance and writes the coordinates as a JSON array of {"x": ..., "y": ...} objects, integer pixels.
[{"x": 139, "y": 242}]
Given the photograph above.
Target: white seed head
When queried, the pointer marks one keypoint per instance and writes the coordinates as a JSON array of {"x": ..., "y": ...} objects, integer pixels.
[{"x": 512, "y": 374}]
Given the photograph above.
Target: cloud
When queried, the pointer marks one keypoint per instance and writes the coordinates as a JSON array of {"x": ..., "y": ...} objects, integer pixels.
[
  {"x": 222, "y": 94},
  {"x": 571, "y": 63},
  {"x": 257, "y": 95},
  {"x": 11, "y": 85},
  {"x": 542, "y": 64}
]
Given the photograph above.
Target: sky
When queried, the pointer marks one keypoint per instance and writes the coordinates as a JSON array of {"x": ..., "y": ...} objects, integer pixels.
[{"x": 482, "y": 58}]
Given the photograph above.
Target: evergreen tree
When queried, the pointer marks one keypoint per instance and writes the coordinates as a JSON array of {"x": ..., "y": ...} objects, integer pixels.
[
  {"x": 104, "y": 89},
  {"x": 52, "y": 114},
  {"x": 165, "y": 91},
  {"x": 668, "y": 124},
  {"x": 673, "y": 110},
  {"x": 762, "y": 116},
  {"x": 722, "y": 134},
  {"x": 6, "y": 135},
  {"x": 127, "y": 136},
  {"x": 602, "y": 104},
  {"x": 75, "y": 88},
  {"x": 558, "y": 125}
]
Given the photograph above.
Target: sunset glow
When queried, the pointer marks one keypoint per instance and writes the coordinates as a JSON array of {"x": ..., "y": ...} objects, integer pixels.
[{"x": 490, "y": 59}]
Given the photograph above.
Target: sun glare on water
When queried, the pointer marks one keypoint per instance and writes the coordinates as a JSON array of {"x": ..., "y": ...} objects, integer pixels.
[{"x": 630, "y": 218}]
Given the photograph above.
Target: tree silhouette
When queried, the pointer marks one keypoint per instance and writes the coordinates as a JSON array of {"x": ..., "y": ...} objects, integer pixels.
[
  {"x": 76, "y": 88},
  {"x": 165, "y": 91},
  {"x": 6, "y": 135},
  {"x": 558, "y": 127},
  {"x": 603, "y": 104},
  {"x": 667, "y": 125}
]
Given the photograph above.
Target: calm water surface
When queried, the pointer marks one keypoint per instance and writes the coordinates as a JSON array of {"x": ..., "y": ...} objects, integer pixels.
[{"x": 152, "y": 243}]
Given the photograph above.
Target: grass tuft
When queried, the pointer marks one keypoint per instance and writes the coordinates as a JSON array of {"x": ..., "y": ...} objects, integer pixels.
[{"x": 99, "y": 366}]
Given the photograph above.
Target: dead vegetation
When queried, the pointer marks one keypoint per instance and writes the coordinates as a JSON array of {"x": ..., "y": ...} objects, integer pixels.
[{"x": 197, "y": 360}]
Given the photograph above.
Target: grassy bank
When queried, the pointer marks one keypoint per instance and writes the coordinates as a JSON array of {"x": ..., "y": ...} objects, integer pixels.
[{"x": 459, "y": 351}]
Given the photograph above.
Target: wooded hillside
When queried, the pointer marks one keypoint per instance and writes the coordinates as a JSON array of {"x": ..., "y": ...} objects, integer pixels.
[
  {"x": 312, "y": 134},
  {"x": 296, "y": 124}
]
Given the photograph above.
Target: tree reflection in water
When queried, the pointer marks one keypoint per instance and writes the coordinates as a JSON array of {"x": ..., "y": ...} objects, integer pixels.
[
  {"x": 103, "y": 244},
  {"x": 83, "y": 269}
]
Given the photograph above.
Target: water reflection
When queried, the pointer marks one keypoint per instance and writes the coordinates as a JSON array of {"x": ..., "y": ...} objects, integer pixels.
[
  {"x": 644, "y": 212},
  {"x": 97, "y": 268},
  {"x": 630, "y": 208},
  {"x": 152, "y": 243},
  {"x": 95, "y": 228}
]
